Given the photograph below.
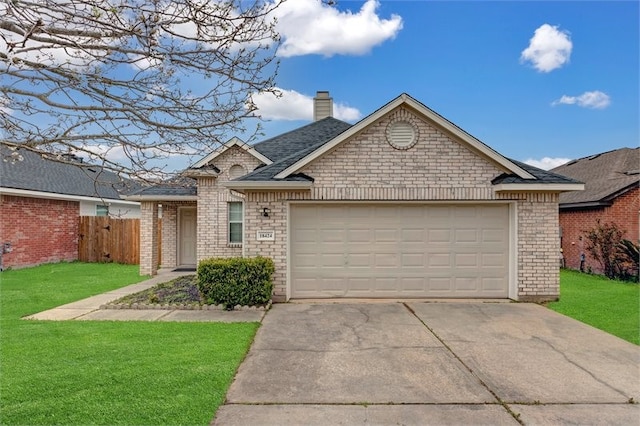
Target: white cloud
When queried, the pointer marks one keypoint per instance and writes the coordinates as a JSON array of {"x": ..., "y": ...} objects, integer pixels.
[
  {"x": 547, "y": 163},
  {"x": 97, "y": 152},
  {"x": 549, "y": 48},
  {"x": 593, "y": 100},
  {"x": 296, "y": 106},
  {"x": 312, "y": 27}
]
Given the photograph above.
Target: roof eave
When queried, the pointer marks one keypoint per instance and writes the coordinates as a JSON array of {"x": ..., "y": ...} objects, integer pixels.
[
  {"x": 231, "y": 143},
  {"x": 538, "y": 187},
  {"x": 161, "y": 198},
  {"x": 58, "y": 196},
  {"x": 196, "y": 173},
  {"x": 439, "y": 120},
  {"x": 585, "y": 205},
  {"x": 244, "y": 185}
]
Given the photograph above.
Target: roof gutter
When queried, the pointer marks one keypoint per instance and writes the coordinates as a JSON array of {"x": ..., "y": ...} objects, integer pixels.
[
  {"x": 241, "y": 185},
  {"x": 538, "y": 187},
  {"x": 161, "y": 198},
  {"x": 585, "y": 205},
  {"x": 65, "y": 197}
]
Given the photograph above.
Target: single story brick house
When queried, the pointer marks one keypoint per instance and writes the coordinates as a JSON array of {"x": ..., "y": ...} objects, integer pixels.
[
  {"x": 611, "y": 194},
  {"x": 403, "y": 204},
  {"x": 41, "y": 201}
]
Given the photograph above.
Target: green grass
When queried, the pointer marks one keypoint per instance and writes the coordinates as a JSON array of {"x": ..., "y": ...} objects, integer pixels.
[
  {"x": 612, "y": 306},
  {"x": 107, "y": 372}
]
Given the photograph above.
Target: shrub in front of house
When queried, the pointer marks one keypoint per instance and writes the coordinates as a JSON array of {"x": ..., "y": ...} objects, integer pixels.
[{"x": 236, "y": 281}]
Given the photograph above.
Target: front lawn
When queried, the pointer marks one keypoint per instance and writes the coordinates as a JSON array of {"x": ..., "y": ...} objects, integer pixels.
[
  {"x": 612, "y": 306},
  {"x": 103, "y": 372}
]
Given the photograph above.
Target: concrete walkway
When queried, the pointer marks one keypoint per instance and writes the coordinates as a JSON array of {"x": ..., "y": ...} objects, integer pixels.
[
  {"x": 432, "y": 363},
  {"x": 89, "y": 308}
]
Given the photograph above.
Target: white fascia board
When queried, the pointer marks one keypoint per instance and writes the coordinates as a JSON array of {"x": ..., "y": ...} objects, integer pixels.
[
  {"x": 161, "y": 198},
  {"x": 266, "y": 185},
  {"x": 538, "y": 187},
  {"x": 65, "y": 197},
  {"x": 431, "y": 115},
  {"x": 232, "y": 142}
]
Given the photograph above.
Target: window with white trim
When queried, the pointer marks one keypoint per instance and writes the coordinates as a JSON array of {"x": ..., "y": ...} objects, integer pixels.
[
  {"x": 102, "y": 210},
  {"x": 235, "y": 222}
]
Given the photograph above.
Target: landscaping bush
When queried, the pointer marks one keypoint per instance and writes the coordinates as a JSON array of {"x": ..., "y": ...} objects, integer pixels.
[{"x": 236, "y": 281}]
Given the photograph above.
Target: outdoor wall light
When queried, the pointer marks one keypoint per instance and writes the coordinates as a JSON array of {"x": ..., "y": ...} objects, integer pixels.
[{"x": 265, "y": 211}]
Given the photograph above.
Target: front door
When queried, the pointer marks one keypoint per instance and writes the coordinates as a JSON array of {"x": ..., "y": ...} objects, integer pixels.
[{"x": 187, "y": 237}]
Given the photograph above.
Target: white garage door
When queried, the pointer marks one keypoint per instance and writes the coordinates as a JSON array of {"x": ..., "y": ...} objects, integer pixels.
[{"x": 395, "y": 251}]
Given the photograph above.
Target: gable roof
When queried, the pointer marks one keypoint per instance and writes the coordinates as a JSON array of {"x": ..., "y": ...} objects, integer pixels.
[
  {"x": 277, "y": 152},
  {"x": 606, "y": 176},
  {"x": 517, "y": 175},
  {"x": 404, "y": 99},
  {"x": 234, "y": 141},
  {"x": 38, "y": 174}
]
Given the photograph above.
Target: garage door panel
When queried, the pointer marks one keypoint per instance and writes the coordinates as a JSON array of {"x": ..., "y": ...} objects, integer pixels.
[
  {"x": 438, "y": 235},
  {"x": 360, "y": 235},
  {"x": 332, "y": 260},
  {"x": 332, "y": 235},
  {"x": 414, "y": 285},
  {"x": 359, "y": 260},
  {"x": 466, "y": 284},
  {"x": 495, "y": 260},
  {"x": 387, "y": 285},
  {"x": 382, "y": 250},
  {"x": 386, "y": 235},
  {"x": 493, "y": 236},
  {"x": 492, "y": 284},
  {"x": 440, "y": 285},
  {"x": 386, "y": 260},
  {"x": 468, "y": 235},
  {"x": 412, "y": 235},
  {"x": 413, "y": 260},
  {"x": 466, "y": 260}
]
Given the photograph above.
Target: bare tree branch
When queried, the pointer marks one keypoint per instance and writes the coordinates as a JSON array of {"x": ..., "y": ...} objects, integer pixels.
[{"x": 147, "y": 79}]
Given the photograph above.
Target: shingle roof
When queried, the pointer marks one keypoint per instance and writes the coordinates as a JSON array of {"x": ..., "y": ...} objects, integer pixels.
[
  {"x": 605, "y": 175},
  {"x": 283, "y": 150},
  {"x": 541, "y": 176},
  {"x": 310, "y": 138},
  {"x": 291, "y": 143},
  {"x": 179, "y": 186},
  {"x": 36, "y": 173}
]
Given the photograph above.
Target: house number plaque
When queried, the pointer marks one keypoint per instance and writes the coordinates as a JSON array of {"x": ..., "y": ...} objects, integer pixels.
[{"x": 266, "y": 236}]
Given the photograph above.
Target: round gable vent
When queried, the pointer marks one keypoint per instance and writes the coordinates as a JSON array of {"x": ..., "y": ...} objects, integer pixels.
[
  {"x": 401, "y": 134},
  {"x": 236, "y": 171}
]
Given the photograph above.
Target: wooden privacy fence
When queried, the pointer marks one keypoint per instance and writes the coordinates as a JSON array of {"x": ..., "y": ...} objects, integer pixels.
[{"x": 106, "y": 239}]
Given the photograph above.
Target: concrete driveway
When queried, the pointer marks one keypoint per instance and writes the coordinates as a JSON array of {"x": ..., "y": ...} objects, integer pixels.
[{"x": 432, "y": 363}]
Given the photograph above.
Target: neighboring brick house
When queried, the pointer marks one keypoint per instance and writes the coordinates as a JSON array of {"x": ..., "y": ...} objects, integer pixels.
[
  {"x": 402, "y": 204},
  {"x": 612, "y": 194},
  {"x": 41, "y": 200}
]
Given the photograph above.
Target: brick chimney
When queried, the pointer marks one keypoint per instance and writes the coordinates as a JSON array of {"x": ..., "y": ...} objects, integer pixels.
[{"x": 322, "y": 105}]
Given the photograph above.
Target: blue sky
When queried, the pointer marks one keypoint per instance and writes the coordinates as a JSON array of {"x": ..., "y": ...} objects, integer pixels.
[{"x": 572, "y": 93}]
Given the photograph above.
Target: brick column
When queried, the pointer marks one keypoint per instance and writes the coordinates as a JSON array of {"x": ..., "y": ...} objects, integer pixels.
[{"x": 148, "y": 238}]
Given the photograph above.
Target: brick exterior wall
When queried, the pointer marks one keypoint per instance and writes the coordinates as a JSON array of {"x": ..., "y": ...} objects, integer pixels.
[
  {"x": 624, "y": 212},
  {"x": 213, "y": 199},
  {"x": 437, "y": 168},
  {"x": 148, "y": 238},
  {"x": 39, "y": 230},
  {"x": 538, "y": 246}
]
